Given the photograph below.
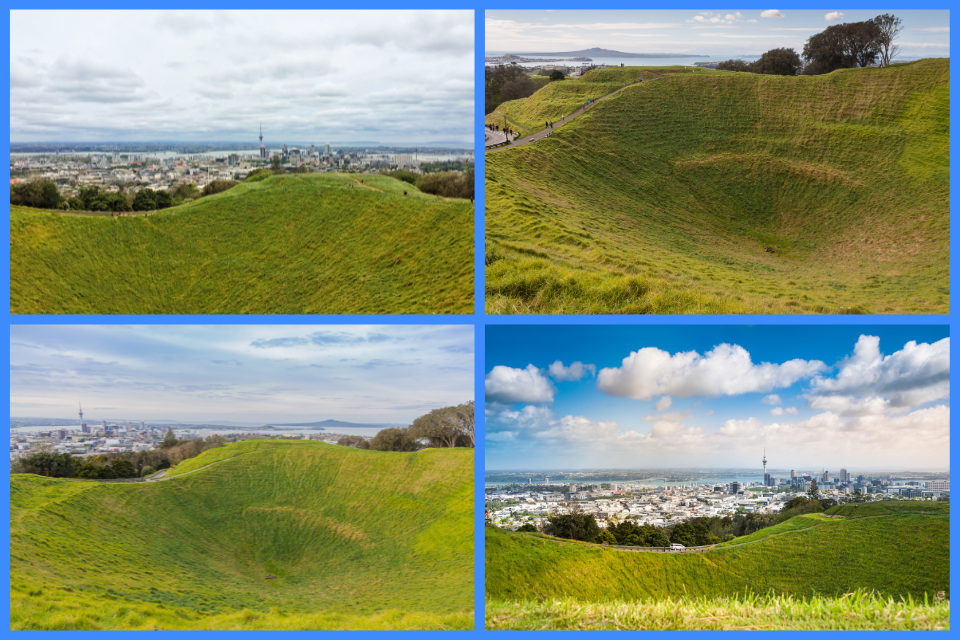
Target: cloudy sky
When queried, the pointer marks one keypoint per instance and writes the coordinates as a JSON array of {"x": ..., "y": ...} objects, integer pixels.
[
  {"x": 718, "y": 33},
  {"x": 240, "y": 373},
  {"x": 868, "y": 398},
  {"x": 310, "y": 76}
]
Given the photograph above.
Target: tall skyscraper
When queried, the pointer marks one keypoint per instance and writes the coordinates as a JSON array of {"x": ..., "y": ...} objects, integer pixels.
[
  {"x": 843, "y": 476},
  {"x": 263, "y": 149}
]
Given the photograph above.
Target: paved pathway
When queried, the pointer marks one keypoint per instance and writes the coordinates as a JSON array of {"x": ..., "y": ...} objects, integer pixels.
[{"x": 540, "y": 135}]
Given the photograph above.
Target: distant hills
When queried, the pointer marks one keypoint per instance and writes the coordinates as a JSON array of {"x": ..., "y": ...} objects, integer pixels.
[
  {"x": 597, "y": 52},
  {"x": 335, "y": 424}
]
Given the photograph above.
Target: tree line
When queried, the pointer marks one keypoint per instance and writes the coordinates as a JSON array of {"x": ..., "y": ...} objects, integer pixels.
[
  {"x": 109, "y": 466},
  {"x": 445, "y": 427},
  {"x": 578, "y": 525},
  {"x": 841, "y": 46},
  {"x": 43, "y": 193},
  {"x": 448, "y": 184}
]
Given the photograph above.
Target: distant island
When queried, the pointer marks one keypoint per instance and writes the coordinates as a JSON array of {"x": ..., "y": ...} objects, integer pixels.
[
  {"x": 333, "y": 424},
  {"x": 597, "y": 52}
]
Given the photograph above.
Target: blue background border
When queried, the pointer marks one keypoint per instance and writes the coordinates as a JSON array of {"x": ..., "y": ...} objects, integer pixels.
[{"x": 478, "y": 319}]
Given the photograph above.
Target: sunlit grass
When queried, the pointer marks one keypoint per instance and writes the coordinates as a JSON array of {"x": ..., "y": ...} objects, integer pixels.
[
  {"x": 853, "y": 611},
  {"x": 664, "y": 197},
  {"x": 279, "y": 535}
]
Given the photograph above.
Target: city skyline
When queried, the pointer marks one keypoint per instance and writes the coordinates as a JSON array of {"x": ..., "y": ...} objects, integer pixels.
[
  {"x": 240, "y": 373},
  {"x": 713, "y": 396},
  {"x": 715, "y": 33},
  {"x": 392, "y": 78}
]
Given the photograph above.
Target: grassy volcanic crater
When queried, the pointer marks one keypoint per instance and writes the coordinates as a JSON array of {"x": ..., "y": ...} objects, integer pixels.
[
  {"x": 295, "y": 244},
  {"x": 277, "y": 535},
  {"x": 665, "y": 197},
  {"x": 798, "y": 574}
]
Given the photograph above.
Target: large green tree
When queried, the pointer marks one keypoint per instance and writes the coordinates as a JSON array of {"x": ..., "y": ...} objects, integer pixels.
[
  {"x": 778, "y": 62},
  {"x": 394, "y": 439},
  {"x": 575, "y": 525}
]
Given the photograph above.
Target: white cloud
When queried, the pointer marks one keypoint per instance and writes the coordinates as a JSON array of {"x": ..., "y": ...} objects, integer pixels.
[
  {"x": 936, "y": 29},
  {"x": 772, "y": 399},
  {"x": 779, "y": 411},
  {"x": 915, "y": 375},
  {"x": 663, "y": 403},
  {"x": 726, "y": 370},
  {"x": 833, "y": 16},
  {"x": 700, "y": 19},
  {"x": 510, "y": 386},
  {"x": 920, "y": 438},
  {"x": 751, "y": 20},
  {"x": 575, "y": 371},
  {"x": 771, "y": 13}
]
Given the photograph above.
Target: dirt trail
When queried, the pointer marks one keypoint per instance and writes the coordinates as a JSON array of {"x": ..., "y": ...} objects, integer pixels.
[{"x": 367, "y": 186}]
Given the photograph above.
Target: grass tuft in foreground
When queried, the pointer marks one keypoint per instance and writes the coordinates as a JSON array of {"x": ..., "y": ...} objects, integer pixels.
[{"x": 853, "y": 611}]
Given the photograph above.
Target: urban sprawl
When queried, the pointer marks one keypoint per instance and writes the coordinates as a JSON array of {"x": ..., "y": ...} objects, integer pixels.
[
  {"x": 131, "y": 171},
  {"x": 511, "y": 506}
]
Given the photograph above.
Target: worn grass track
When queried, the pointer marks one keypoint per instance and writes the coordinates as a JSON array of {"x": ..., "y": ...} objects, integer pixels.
[
  {"x": 296, "y": 244},
  {"x": 283, "y": 535},
  {"x": 662, "y": 198}
]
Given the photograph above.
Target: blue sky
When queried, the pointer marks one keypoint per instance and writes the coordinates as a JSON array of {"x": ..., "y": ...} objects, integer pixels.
[
  {"x": 240, "y": 373},
  {"x": 718, "y": 33},
  {"x": 866, "y": 397}
]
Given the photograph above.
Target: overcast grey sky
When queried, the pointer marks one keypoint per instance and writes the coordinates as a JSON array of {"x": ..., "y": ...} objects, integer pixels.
[
  {"x": 240, "y": 373},
  {"x": 393, "y": 77},
  {"x": 708, "y": 31}
]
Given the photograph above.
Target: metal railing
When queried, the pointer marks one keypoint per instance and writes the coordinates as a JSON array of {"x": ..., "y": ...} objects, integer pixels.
[{"x": 700, "y": 549}]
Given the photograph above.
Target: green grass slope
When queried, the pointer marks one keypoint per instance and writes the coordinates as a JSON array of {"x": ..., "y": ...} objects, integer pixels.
[
  {"x": 749, "y": 613},
  {"x": 296, "y": 244},
  {"x": 663, "y": 197},
  {"x": 353, "y": 539},
  {"x": 797, "y": 569},
  {"x": 899, "y": 554}
]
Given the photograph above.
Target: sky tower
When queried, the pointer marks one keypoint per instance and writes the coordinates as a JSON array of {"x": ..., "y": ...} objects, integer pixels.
[
  {"x": 83, "y": 425},
  {"x": 764, "y": 461},
  {"x": 263, "y": 149}
]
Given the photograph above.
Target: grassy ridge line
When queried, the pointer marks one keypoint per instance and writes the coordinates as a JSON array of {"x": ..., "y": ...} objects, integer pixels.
[
  {"x": 310, "y": 243},
  {"x": 894, "y": 556},
  {"x": 857, "y": 611},
  {"x": 888, "y": 507},
  {"x": 235, "y": 449},
  {"x": 562, "y": 98},
  {"x": 662, "y": 198},
  {"x": 206, "y": 542}
]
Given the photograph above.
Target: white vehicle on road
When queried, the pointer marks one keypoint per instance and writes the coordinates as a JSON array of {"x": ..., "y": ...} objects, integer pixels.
[{"x": 677, "y": 547}]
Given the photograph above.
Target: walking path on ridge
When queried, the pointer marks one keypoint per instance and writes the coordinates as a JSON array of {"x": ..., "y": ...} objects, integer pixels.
[{"x": 540, "y": 135}]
